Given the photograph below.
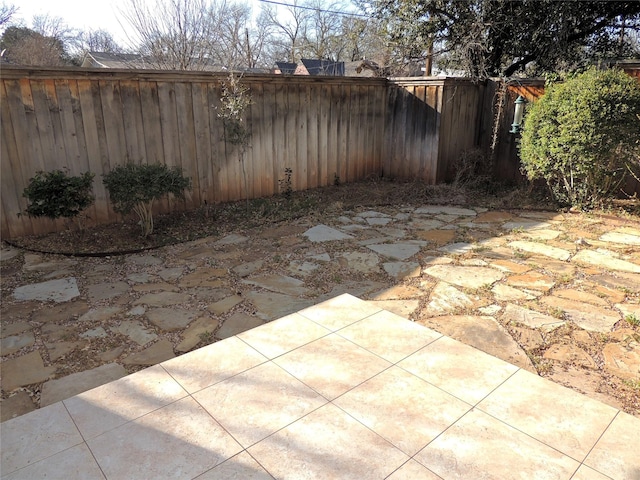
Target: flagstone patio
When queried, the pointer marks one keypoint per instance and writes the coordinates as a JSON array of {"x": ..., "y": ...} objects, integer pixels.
[
  {"x": 553, "y": 293},
  {"x": 340, "y": 390}
]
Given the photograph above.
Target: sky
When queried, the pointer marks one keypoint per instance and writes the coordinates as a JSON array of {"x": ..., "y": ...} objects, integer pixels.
[{"x": 82, "y": 14}]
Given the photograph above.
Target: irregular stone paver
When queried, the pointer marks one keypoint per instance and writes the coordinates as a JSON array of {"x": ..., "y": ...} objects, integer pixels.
[
  {"x": 203, "y": 326},
  {"x": 372, "y": 214},
  {"x": 162, "y": 299},
  {"x": 459, "y": 248},
  {"x": 60, "y": 389},
  {"x": 8, "y": 253},
  {"x": 569, "y": 354},
  {"x": 378, "y": 221},
  {"x": 532, "y": 280},
  {"x": 437, "y": 236},
  {"x": 9, "y": 345},
  {"x": 298, "y": 267},
  {"x": 580, "y": 296},
  {"x": 99, "y": 314},
  {"x": 446, "y": 210},
  {"x": 238, "y": 323},
  {"x": 622, "y": 281},
  {"x": 542, "y": 234},
  {"x": 469, "y": 277},
  {"x": 322, "y": 233},
  {"x": 589, "y": 317},
  {"x": 139, "y": 277},
  {"x": 400, "y": 270},
  {"x": 60, "y": 313},
  {"x": 24, "y": 370},
  {"x": 136, "y": 331},
  {"x": 97, "y": 332},
  {"x": 231, "y": 239},
  {"x": 16, "y": 405},
  {"x": 279, "y": 283},
  {"x": 224, "y": 305},
  {"x": 554, "y": 267},
  {"x": 398, "y": 292},
  {"x": 59, "y": 349},
  {"x": 425, "y": 224},
  {"x": 490, "y": 310},
  {"x": 495, "y": 216},
  {"x": 396, "y": 251},
  {"x": 446, "y": 299},
  {"x": 623, "y": 360},
  {"x": 60, "y": 290},
  {"x": 541, "y": 249},
  {"x": 509, "y": 266},
  {"x": 525, "y": 225},
  {"x": 171, "y": 274},
  {"x": 203, "y": 277},
  {"x": 156, "y": 353},
  {"x": 170, "y": 319},
  {"x": 505, "y": 293},
  {"x": 629, "y": 309},
  {"x": 137, "y": 311},
  {"x": 528, "y": 338},
  {"x": 105, "y": 291},
  {"x": 483, "y": 333},
  {"x": 404, "y": 308},
  {"x": 598, "y": 259},
  {"x": 629, "y": 236},
  {"x": 209, "y": 295},
  {"x": 246, "y": 269},
  {"x": 271, "y": 306},
  {"x": 9, "y": 329},
  {"x": 361, "y": 262},
  {"x": 530, "y": 318},
  {"x": 155, "y": 287}
]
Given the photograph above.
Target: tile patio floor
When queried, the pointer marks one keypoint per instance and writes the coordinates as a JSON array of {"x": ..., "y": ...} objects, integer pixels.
[{"x": 341, "y": 390}]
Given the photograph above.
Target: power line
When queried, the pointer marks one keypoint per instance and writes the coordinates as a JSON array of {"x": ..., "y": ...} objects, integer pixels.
[{"x": 304, "y": 7}]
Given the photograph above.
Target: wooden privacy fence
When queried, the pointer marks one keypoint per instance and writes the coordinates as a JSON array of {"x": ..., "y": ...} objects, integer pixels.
[{"x": 323, "y": 128}]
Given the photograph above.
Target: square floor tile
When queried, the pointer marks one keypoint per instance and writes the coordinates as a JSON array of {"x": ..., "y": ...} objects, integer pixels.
[
  {"x": 180, "y": 440},
  {"x": 561, "y": 418},
  {"x": 479, "y": 446},
  {"x": 617, "y": 453},
  {"x": 412, "y": 470},
  {"x": 108, "y": 406},
  {"x": 212, "y": 364},
  {"x": 402, "y": 408},
  {"x": 339, "y": 312},
  {"x": 389, "y": 335},
  {"x": 586, "y": 473},
  {"x": 283, "y": 335},
  {"x": 240, "y": 467},
  {"x": 35, "y": 436},
  {"x": 76, "y": 463},
  {"x": 327, "y": 444},
  {"x": 256, "y": 403},
  {"x": 332, "y": 365},
  {"x": 459, "y": 369}
]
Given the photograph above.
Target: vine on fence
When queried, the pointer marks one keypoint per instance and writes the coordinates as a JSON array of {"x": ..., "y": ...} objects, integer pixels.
[{"x": 235, "y": 99}]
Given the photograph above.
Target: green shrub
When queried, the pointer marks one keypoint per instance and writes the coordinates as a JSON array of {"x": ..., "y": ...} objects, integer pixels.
[
  {"x": 55, "y": 194},
  {"x": 134, "y": 188},
  {"x": 583, "y": 136}
]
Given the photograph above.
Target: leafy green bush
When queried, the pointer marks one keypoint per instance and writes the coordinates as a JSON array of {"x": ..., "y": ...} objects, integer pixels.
[
  {"x": 583, "y": 136},
  {"x": 55, "y": 194},
  {"x": 134, "y": 188}
]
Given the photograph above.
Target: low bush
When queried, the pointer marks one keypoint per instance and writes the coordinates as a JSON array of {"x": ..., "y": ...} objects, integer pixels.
[
  {"x": 57, "y": 195},
  {"x": 583, "y": 137},
  {"x": 134, "y": 188}
]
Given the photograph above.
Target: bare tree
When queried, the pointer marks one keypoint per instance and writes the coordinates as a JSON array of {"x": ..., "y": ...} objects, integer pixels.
[
  {"x": 7, "y": 12},
  {"x": 290, "y": 29},
  {"x": 173, "y": 34}
]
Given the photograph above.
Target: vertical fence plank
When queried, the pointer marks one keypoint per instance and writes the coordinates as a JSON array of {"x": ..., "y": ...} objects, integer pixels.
[{"x": 204, "y": 170}]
